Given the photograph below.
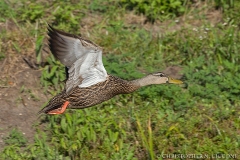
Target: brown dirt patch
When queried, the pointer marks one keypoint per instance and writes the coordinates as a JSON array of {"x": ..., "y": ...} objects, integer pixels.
[{"x": 21, "y": 95}]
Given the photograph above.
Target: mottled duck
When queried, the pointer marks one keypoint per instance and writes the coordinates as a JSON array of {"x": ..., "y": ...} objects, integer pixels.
[{"x": 87, "y": 82}]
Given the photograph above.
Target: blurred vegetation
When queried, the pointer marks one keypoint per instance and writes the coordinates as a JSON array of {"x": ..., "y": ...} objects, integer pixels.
[
  {"x": 157, "y": 9},
  {"x": 16, "y": 138},
  {"x": 156, "y": 120}
]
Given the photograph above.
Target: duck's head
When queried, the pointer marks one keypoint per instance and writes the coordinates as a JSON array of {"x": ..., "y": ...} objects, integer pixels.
[
  {"x": 156, "y": 78},
  {"x": 161, "y": 78}
]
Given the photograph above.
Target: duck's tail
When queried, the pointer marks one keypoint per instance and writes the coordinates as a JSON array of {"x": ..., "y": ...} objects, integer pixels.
[
  {"x": 55, "y": 103},
  {"x": 49, "y": 108}
]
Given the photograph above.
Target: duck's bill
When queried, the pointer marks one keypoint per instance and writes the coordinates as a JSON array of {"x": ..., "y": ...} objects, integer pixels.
[{"x": 174, "y": 81}]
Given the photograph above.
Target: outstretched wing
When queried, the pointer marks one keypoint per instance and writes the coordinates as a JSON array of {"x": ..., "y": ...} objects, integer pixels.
[{"x": 82, "y": 58}]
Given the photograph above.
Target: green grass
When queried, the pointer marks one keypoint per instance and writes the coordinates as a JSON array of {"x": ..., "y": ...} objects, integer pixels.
[{"x": 156, "y": 120}]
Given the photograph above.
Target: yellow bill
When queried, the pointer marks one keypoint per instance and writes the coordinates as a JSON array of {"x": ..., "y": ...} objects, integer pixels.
[{"x": 174, "y": 81}]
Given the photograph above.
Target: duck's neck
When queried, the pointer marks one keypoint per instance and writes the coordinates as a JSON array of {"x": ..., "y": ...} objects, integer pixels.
[
  {"x": 144, "y": 81},
  {"x": 124, "y": 87}
]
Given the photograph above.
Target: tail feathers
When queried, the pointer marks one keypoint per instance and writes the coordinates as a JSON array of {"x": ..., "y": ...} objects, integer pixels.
[
  {"x": 54, "y": 103},
  {"x": 49, "y": 107}
]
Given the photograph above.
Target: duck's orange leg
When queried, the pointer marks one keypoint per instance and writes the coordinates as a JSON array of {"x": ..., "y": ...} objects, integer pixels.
[{"x": 59, "y": 110}]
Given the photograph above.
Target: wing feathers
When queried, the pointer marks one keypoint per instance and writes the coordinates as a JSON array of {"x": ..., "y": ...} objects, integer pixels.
[{"x": 82, "y": 57}]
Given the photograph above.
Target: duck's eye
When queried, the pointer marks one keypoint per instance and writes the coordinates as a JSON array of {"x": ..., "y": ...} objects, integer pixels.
[{"x": 161, "y": 75}]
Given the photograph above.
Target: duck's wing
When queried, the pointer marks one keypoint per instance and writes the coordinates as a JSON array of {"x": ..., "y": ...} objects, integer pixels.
[{"x": 82, "y": 57}]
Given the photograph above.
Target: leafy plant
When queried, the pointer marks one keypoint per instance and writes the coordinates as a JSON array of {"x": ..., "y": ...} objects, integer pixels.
[
  {"x": 6, "y": 11},
  {"x": 2, "y": 55},
  {"x": 224, "y": 4},
  {"x": 15, "y": 138},
  {"x": 147, "y": 141},
  {"x": 53, "y": 74},
  {"x": 68, "y": 15},
  {"x": 34, "y": 12},
  {"x": 157, "y": 9}
]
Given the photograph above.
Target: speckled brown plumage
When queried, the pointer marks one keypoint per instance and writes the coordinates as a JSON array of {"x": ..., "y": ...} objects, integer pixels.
[{"x": 90, "y": 96}]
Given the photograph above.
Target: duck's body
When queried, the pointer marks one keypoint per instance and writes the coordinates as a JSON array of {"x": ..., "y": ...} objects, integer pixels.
[
  {"x": 80, "y": 98},
  {"x": 88, "y": 83}
]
